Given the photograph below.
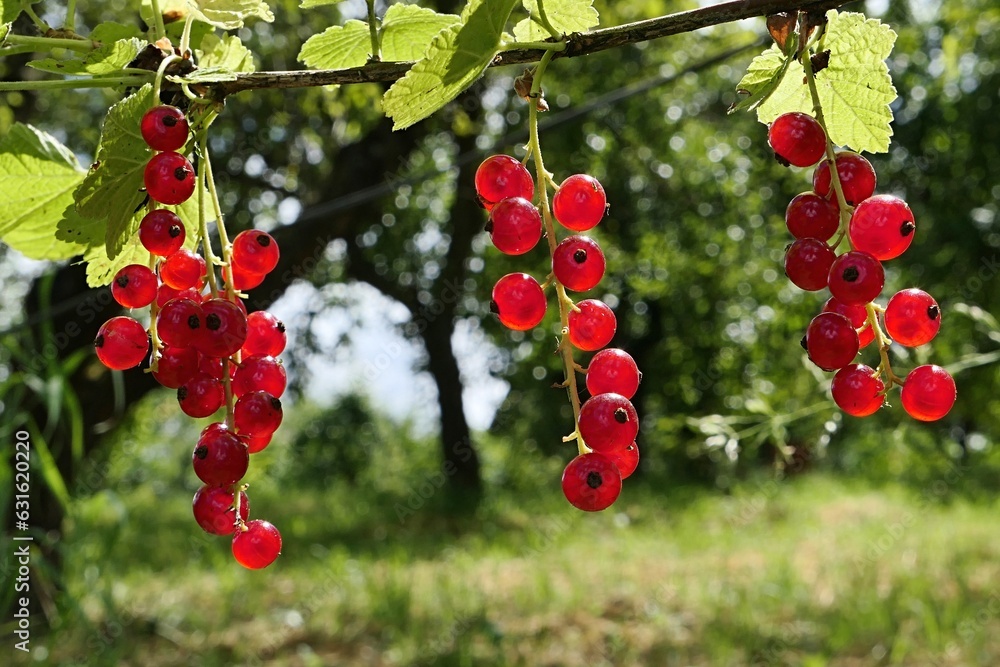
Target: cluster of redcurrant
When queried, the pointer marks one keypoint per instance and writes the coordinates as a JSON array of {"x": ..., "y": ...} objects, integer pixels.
[
  {"x": 607, "y": 423},
  {"x": 843, "y": 206},
  {"x": 204, "y": 344}
]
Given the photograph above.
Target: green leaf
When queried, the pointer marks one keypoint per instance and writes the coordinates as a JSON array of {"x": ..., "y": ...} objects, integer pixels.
[
  {"x": 338, "y": 47},
  {"x": 763, "y": 75},
  {"x": 565, "y": 16},
  {"x": 855, "y": 90},
  {"x": 407, "y": 30},
  {"x": 112, "y": 32},
  {"x": 309, "y": 4},
  {"x": 455, "y": 59},
  {"x": 9, "y": 10},
  {"x": 101, "y": 270},
  {"x": 205, "y": 75},
  {"x": 4, "y": 31},
  {"x": 110, "y": 58},
  {"x": 230, "y": 14},
  {"x": 226, "y": 52},
  {"x": 37, "y": 178}
]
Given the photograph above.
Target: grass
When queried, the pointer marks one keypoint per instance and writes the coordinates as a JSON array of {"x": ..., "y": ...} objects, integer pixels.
[{"x": 816, "y": 571}]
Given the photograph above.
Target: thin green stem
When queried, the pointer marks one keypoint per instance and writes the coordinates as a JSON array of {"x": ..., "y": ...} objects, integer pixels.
[
  {"x": 161, "y": 30},
  {"x": 206, "y": 242},
  {"x": 70, "y": 15},
  {"x": 154, "y": 337},
  {"x": 373, "y": 31},
  {"x": 42, "y": 25},
  {"x": 542, "y": 46},
  {"x": 94, "y": 82},
  {"x": 185, "y": 46},
  {"x": 544, "y": 20},
  {"x": 160, "y": 73},
  {"x": 220, "y": 225},
  {"x": 49, "y": 43}
]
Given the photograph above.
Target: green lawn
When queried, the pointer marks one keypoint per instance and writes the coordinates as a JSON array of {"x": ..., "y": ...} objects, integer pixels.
[{"x": 809, "y": 572}]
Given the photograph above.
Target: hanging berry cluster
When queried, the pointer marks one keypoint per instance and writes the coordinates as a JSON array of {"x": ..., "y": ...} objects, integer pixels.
[{"x": 204, "y": 344}]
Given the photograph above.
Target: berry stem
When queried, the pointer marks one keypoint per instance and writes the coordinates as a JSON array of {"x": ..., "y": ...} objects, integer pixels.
[
  {"x": 161, "y": 30},
  {"x": 70, "y": 15},
  {"x": 48, "y": 43},
  {"x": 185, "y": 46},
  {"x": 203, "y": 174},
  {"x": 155, "y": 344},
  {"x": 220, "y": 225},
  {"x": 883, "y": 342},
  {"x": 544, "y": 20},
  {"x": 373, "y": 31},
  {"x": 130, "y": 80},
  {"x": 160, "y": 72},
  {"x": 42, "y": 25}
]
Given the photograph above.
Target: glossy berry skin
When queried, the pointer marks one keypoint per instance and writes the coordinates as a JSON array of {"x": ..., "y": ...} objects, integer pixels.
[
  {"x": 214, "y": 511},
  {"x": 169, "y": 178},
  {"x": 578, "y": 263},
  {"x": 591, "y": 482},
  {"x": 257, "y": 413},
  {"x": 928, "y": 393},
  {"x": 134, "y": 286},
  {"x": 121, "y": 343},
  {"x": 265, "y": 334},
  {"x": 808, "y": 262},
  {"x": 580, "y": 203},
  {"x": 831, "y": 341},
  {"x": 613, "y": 371},
  {"x": 515, "y": 226},
  {"x": 183, "y": 270},
  {"x": 161, "y": 232},
  {"x": 164, "y": 128},
  {"x": 882, "y": 226},
  {"x": 176, "y": 366},
  {"x": 258, "y": 546},
  {"x": 519, "y": 302},
  {"x": 220, "y": 457},
  {"x": 626, "y": 460},
  {"x": 257, "y": 443},
  {"x": 225, "y": 328},
  {"x": 255, "y": 251},
  {"x": 912, "y": 317},
  {"x": 858, "y": 316},
  {"x": 857, "y": 390},
  {"x": 167, "y": 293},
  {"x": 797, "y": 139},
  {"x": 857, "y": 178},
  {"x": 179, "y": 322},
  {"x": 856, "y": 278},
  {"x": 260, "y": 373},
  {"x": 810, "y": 216},
  {"x": 608, "y": 422},
  {"x": 201, "y": 396},
  {"x": 500, "y": 177},
  {"x": 245, "y": 280},
  {"x": 593, "y": 327}
]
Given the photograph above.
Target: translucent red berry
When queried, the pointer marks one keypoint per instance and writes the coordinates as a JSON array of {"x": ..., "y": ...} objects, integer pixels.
[
  {"x": 225, "y": 328},
  {"x": 255, "y": 251},
  {"x": 257, "y": 546},
  {"x": 882, "y": 226},
  {"x": 797, "y": 139},
  {"x": 183, "y": 270},
  {"x": 134, "y": 286},
  {"x": 608, "y": 422},
  {"x": 831, "y": 341},
  {"x": 613, "y": 371},
  {"x": 593, "y": 326},
  {"x": 857, "y": 390},
  {"x": 578, "y": 263},
  {"x": 857, "y": 178},
  {"x": 810, "y": 216},
  {"x": 176, "y": 366},
  {"x": 928, "y": 393},
  {"x": 858, "y": 316},
  {"x": 201, "y": 396},
  {"x": 214, "y": 511},
  {"x": 856, "y": 278},
  {"x": 161, "y": 232},
  {"x": 167, "y": 293},
  {"x": 260, "y": 373},
  {"x": 808, "y": 262},
  {"x": 591, "y": 482},
  {"x": 179, "y": 322},
  {"x": 169, "y": 178},
  {"x": 626, "y": 460},
  {"x": 500, "y": 177},
  {"x": 519, "y": 302},
  {"x": 257, "y": 413},
  {"x": 220, "y": 457},
  {"x": 515, "y": 226},
  {"x": 912, "y": 317},
  {"x": 580, "y": 203},
  {"x": 265, "y": 334},
  {"x": 164, "y": 128},
  {"x": 121, "y": 343},
  {"x": 257, "y": 443},
  {"x": 245, "y": 280}
]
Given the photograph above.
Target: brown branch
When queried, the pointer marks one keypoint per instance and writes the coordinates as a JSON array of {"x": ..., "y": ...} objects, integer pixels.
[{"x": 577, "y": 45}]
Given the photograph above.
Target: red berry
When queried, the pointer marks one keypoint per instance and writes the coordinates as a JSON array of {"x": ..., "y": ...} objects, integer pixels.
[
  {"x": 626, "y": 460},
  {"x": 500, "y": 177},
  {"x": 580, "y": 203},
  {"x": 260, "y": 373},
  {"x": 179, "y": 322},
  {"x": 518, "y": 301},
  {"x": 255, "y": 251},
  {"x": 225, "y": 328},
  {"x": 608, "y": 422},
  {"x": 220, "y": 458},
  {"x": 134, "y": 286},
  {"x": 257, "y": 413},
  {"x": 515, "y": 226},
  {"x": 578, "y": 263},
  {"x": 257, "y": 546},
  {"x": 858, "y": 316},
  {"x": 245, "y": 280},
  {"x": 912, "y": 317},
  {"x": 257, "y": 443},
  {"x": 214, "y": 511},
  {"x": 121, "y": 343},
  {"x": 797, "y": 139},
  {"x": 856, "y": 278},
  {"x": 857, "y": 390},
  {"x": 169, "y": 178},
  {"x": 201, "y": 396},
  {"x": 183, "y": 270},
  {"x": 164, "y": 128},
  {"x": 857, "y": 178},
  {"x": 265, "y": 334},
  {"x": 161, "y": 232},
  {"x": 882, "y": 226},
  {"x": 928, "y": 393},
  {"x": 807, "y": 264},
  {"x": 176, "y": 366},
  {"x": 831, "y": 341},
  {"x": 810, "y": 216},
  {"x": 593, "y": 326},
  {"x": 167, "y": 293},
  {"x": 613, "y": 371},
  {"x": 591, "y": 482}
]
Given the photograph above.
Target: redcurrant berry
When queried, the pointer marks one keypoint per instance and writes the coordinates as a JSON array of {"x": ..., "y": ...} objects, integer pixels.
[
  {"x": 161, "y": 232},
  {"x": 245, "y": 280},
  {"x": 260, "y": 373},
  {"x": 500, "y": 177},
  {"x": 179, "y": 322},
  {"x": 858, "y": 316},
  {"x": 882, "y": 226},
  {"x": 810, "y": 216},
  {"x": 183, "y": 270},
  {"x": 121, "y": 343},
  {"x": 626, "y": 460},
  {"x": 201, "y": 396},
  {"x": 591, "y": 482},
  {"x": 797, "y": 139},
  {"x": 265, "y": 334},
  {"x": 220, "y": 457},
  {"x": 515, "y": 226},
  {"x": 164, "y": 128},
  {"x": 255, "y": 251},
  {"x": 580, "y": 203},
  {"x": 257, "y": 413},
  {"x": 613, "y": 371},
  {"x": 856, "y": 278},
  {"x": 225, "y": 328},
  {"x": 593, "y": 326},
  {"x": 831, "y": 341},
  {"x": 857, "y": 178},
  {"x": 608, "y": 422},
  {"x": 257, "y": 545},
  {"x": 169, "y": 178},
  {"x": 518, "y": 301},
  {"x": 176, "y": 366},
  {"x": 134, "y": 286},
  {"x": 912, "y": 317},
  {"x": 928, "y": 393},
  {"x": 808, "y": 262},
  {"x": 578, "y": 263},
  {"x": 257, "y": 443},
  {"x": 857, "y": 390},
  {"x": 214, "y": 510}
]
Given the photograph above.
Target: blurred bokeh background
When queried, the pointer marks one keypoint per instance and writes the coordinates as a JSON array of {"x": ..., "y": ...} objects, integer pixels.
[{"x": 416, "y": 477}]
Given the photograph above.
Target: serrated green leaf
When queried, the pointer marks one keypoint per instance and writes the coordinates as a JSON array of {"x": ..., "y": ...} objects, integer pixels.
[
  {"x": 37, "y": 178},
  {"x": 309, "y": 4},
  {"x": 9, "y": 10},
  {"x": 108, "y": 59},
  {"x": 855, "y": 90},
  {"x": 338, "y": 47},
  {"x": 407, "y": 30},
  {"x": 455, "y": 59},
  {"x": 101, "y": 269},
  {"x": 565, "y": 16},
  {"x": 763, "y": 76},
  {"x": 112, "y": 32},
  {"x": 4, "y": 31},
  {"x": 229, "y": 14},
  {"x": 205, "y": 75},
  {"x": 226, "y": 52}
]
